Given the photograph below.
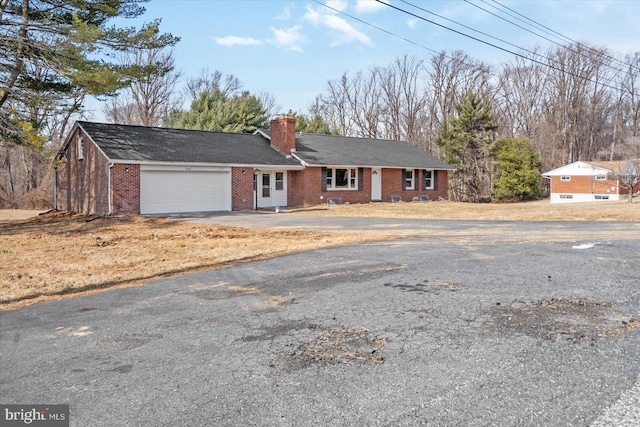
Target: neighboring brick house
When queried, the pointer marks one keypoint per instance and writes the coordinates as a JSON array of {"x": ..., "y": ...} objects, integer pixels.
[
  {"x": 588, "y": 181},
  {"x": 119, "y": 169}
]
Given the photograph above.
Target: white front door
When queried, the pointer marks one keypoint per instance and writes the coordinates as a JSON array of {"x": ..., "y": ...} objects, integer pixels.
[
  {"x": 376, "y": 184},
  {"x": 272, "y": 189}
]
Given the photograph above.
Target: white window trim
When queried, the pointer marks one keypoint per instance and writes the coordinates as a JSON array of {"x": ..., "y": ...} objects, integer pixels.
[
  {"x": 80, "y": 144},
  {"x": 352, "y": 181},
  {"x": 430, "y": 172},
  {"x": 565, "y": 178},
  {"x": 279, "y": 182},
  {"x": 410, "y": 183},
  {"x": 601, "y": 177}
]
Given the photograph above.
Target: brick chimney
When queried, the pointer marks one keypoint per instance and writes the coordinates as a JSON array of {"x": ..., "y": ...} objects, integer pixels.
[{"x": 283, "y": 134}]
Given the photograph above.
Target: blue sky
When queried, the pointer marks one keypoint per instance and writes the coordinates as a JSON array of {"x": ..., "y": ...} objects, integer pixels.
[{"x": 292, "y": 48}]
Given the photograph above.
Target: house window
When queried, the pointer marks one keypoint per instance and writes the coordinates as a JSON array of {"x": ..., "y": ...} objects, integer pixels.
[
  {"x": 279, "y": 181},
  {"x": 428, "y": 180},
  {"x": 601, "y": 177},
  {"x": 266, "y": 185},
  {"x": 565, "y": 178},
  {"x": 342, "y": 179},
  {"x": 566, "y": 196},
  {"x": 80, "y": 148},
  {"x": 409, "y": 179},
  {"x": 602, "y": 197}
]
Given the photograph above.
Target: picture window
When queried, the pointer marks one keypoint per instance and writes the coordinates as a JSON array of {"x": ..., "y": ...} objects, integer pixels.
[{"x": 342, "y": 179}]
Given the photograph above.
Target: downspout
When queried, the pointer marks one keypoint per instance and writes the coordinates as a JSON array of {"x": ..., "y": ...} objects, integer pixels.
[
  {"x": 255, "y": 188},
  {"x": 55, "y": 187},
  {"x": 110, "y": 196}
]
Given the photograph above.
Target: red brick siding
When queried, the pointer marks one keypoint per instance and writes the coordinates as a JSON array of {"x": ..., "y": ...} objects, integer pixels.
[
  {"x": 83, "y": 184},
  {"x": 283, "y": 134},
  {"x": 583, "y": 185},
  {"x": 242, "y": 196},
  {"x": 392, "y": 186},
  {"x": 442, "y": 191},
  {"x": 305, "y": 187},
  {"x": 125, "y": 189}
]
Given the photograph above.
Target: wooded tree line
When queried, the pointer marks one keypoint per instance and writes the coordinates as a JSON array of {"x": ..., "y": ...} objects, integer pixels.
[
  {"x": 549, "y": 107},
  {"x": 581, "y": 104},
  {"x": 571, "y": 103}
]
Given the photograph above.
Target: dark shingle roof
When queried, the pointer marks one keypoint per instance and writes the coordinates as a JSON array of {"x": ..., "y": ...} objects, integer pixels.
[
  {"x": 327, "y": 150},
  {"x": 148, "y": 144}
]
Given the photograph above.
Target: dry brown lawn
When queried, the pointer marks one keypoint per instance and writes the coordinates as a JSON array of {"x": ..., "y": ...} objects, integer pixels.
[
  {"x": 57, "y": 254},
  {"x": 530, "y": 211}
]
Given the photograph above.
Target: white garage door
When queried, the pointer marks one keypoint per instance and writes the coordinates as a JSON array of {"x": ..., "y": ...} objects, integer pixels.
[{"x": 166, "y": 191}]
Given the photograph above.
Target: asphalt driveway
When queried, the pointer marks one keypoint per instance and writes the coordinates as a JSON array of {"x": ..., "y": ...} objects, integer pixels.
[{"x": 454, "y": 323}]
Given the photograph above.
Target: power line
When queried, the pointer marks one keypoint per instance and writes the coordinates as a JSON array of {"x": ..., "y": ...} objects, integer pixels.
[
  {"x": 543, "y": 37},
  {"x": 472, "y": 29},
  {"x": 375, "y": 26},
  {"x": 550, "y": 31},
  {"x": 494, "y": 46}
]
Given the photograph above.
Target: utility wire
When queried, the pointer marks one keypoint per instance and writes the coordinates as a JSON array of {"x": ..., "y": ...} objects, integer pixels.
[
  {"x": 435, "y": 52},
  {"x": 376, "y": 27},
  {"x": 495, "y": 46},
  {"x": 548, "y": 30},
  {"x": 472, "y": 29},
  {"x": 540, "y": 35}
]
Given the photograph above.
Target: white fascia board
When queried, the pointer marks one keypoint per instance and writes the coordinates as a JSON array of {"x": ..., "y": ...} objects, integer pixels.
[
  {"x": 577, "y": 169},
  {"x": 295, "y": 156},
  {"x": 261, "y": 133},
  {"x": 203, "y": 164},
  {"x": 70, "y": 136},
  {"x": 378, "y": 167}
]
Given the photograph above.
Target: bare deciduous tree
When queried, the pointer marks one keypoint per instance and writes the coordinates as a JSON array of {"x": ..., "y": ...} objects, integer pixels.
[
  {"x": 406, "y": 99},
  {"x": 150, "y": 96},
  {"x": 212, "y": 82}
]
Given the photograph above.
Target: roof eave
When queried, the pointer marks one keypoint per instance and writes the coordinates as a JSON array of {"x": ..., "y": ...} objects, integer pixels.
[{"x": 208, "y": 164}]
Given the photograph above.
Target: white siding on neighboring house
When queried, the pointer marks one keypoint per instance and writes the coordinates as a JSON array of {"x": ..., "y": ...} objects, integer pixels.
[{"x": 582, "y": 197}]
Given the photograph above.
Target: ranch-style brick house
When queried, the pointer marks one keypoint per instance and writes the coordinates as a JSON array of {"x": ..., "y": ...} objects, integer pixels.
[
  {"x": 589, "y": 181},
  {"x": 120, "y": 169}
]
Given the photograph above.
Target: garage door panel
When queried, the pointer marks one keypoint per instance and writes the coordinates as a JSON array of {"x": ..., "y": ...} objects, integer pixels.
[{"x": 184, "y": 191}]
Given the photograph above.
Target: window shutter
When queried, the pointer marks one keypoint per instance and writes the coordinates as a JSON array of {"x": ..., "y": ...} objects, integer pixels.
[
  {"x": 360, "y": 178},
  {"x": 434, "y": 176},
  {"x": 324, "y": 179},
  {"x": 416, "y": 180},
  {"x": 404, "y": 179}
]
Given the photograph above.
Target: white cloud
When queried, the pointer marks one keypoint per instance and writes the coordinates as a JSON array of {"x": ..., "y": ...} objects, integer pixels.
[
  {"x": 412, "y": 23},
  {"x": 286, "y": 13},
  {"x": 342, "y": 31},
  {"x": 288, "y": 39},
  {"x": 237, "y": 41},
  {"x": 369, "y": 6},
  {"x": 340, "y": 5}
]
